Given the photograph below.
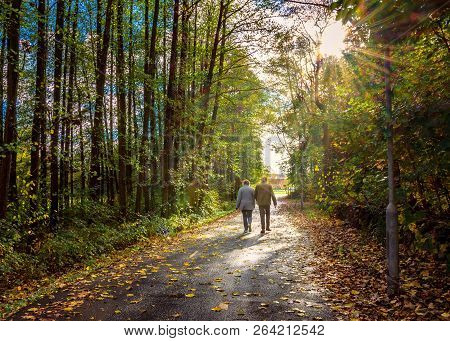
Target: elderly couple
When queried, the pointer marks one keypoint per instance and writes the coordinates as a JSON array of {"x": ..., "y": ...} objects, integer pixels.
[{"x": 263, "y": 193}]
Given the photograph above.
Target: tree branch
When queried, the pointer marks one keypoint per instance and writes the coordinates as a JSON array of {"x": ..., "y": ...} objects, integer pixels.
[{"x": 308, "y": 3}]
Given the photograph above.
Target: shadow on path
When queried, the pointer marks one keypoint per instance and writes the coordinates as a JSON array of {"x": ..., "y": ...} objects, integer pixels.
[{"x": 243, "y": 276}]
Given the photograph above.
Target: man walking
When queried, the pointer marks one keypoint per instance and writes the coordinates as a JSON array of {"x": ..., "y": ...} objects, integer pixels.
[
  {"x": 264, "y": 194},
  {"x": 246, "y": 203}
]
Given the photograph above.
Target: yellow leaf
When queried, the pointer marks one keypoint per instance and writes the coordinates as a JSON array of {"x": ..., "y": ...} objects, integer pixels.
[
  {"x": 190, "y": 295},
  {"x": 223, "y": 305},
  {"x": 220, "y": 307}
]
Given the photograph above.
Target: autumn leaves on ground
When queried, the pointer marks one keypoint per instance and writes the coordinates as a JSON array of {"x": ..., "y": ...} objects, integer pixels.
[{"x": 309, "y": 267}]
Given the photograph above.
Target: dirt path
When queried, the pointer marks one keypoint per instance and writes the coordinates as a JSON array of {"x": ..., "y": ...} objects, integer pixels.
[{"x": 213, "y": 273}]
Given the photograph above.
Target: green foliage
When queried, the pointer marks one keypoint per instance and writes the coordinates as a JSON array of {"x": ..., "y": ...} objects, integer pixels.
[
  {"x": 90, "y": 230},
  {"x": 348, "y": 177}
]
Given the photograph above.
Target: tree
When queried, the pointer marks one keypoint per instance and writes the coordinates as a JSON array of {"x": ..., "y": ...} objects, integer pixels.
[
  {"x": 40, "y": 105},
  {"x": 102, "y": 46},
  {"x": 169, "y": 118},
  {"x": 121, "y": 112},
  {"x": 12, "y": 82},
  {"x": 403, "y": 17},
  {"x": 153, "y": 92},
  {"x": 149, "y": 112},
  {"x": 54, "y": 169}
]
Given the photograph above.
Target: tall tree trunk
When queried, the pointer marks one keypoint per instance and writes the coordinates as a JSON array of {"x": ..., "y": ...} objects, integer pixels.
[
  {"x": 393, "y": 276},
  {"x": 194, "y": 54},
  {"x": 121, "y": 110},
  {"x": 54, "y": 185},
  {"x": 167, "y": 204},
  {"x": 63, "y": 118},
  {"x": 149, "y": 115},
  {"x": 40, "y": 104},
  {"x": 2, "y": 64},
  {"x": 12, "y": 82},
  {"x": 180, "y": 120},
  {"x": 69, "y": 114},
  {"x": 100, "y": 78},
  {"x": 144, "y": 138},
  {"x": 218, "y": 89},
  {"x": 130, "y": 113},
  {"x": 81, "y": 137},
  {"x": 152, "y": 77},
  {"x": 162, "y": 101},
  {"x": 206, "y": 91},
  {"x": 112, "y": 173}
]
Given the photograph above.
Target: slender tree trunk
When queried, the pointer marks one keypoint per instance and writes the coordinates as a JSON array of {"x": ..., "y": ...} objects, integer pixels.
[
  {"x": 169, "y": 117},
  {"x": 69, "y": 113},
  {"x": 112, "y": 175},
  {"x": 43, "y": 187},
  {"x": 144, "y": 138},
  {"x": 81, "y": 137},
  {"x": 218, "y": 89},
  {"x": 194, "y": 55},
  {"x": 54, "y": 184},
  {"x": 100, "y": 78},
  {"x": 206, "y": 91},
  {"x": 63, "y": 119},
  {"x": 393, "y": 276},
  {"x": 130, "y": 113},
  {"x": 162, "y": 101},
  {"x": 180, "y": 119},
  {"x": 2, "y": 64},
  {"x": 149, "y": 114},
  {"x": 12, "y": 82},
  {"x": 121, "y": 112},
  {"x": 40, "y": 104},
  {"x": 152, "y": 77}
]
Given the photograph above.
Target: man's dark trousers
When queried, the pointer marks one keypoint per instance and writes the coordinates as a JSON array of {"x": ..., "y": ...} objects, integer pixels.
[{"x": 264, "y": 212}]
